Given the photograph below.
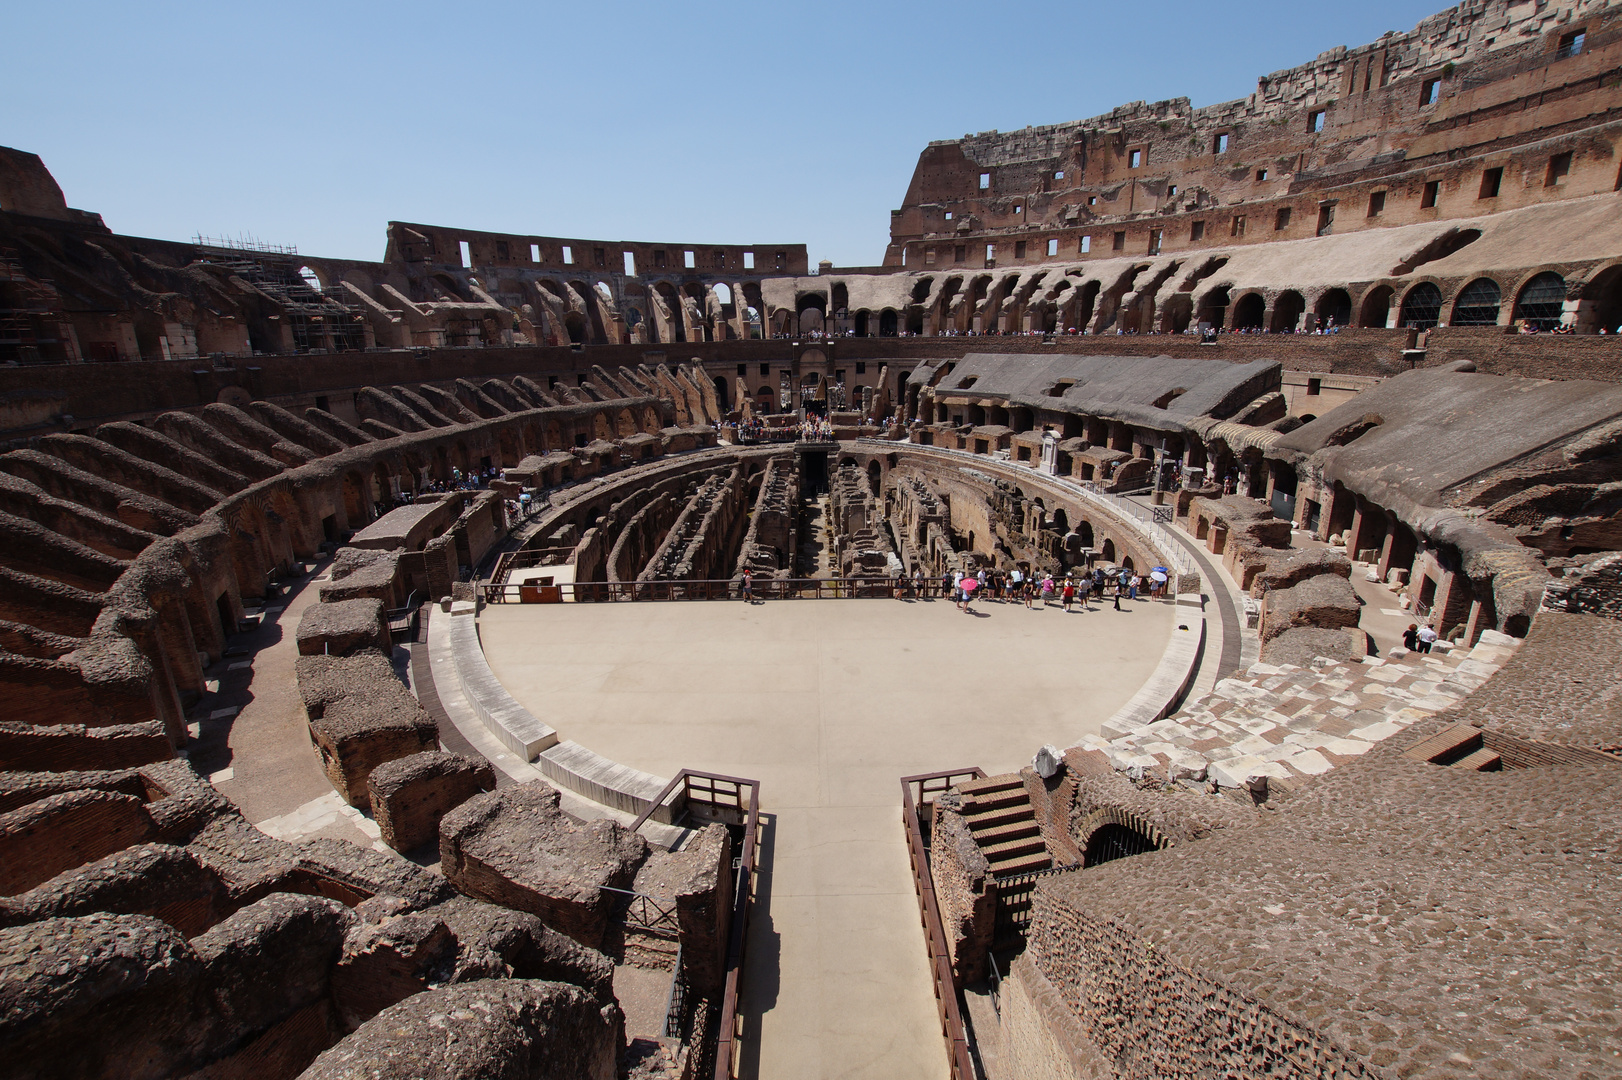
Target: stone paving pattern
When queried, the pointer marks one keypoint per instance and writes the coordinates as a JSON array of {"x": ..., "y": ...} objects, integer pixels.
[
  {"x": 1432, "y": 921},
  {"x": 1286, "y": 722}
]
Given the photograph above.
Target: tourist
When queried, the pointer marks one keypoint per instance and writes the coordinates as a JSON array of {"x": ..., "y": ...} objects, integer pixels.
[
  {"x": 1047, "y": 589},
  {"x": 1120, "y": 587},
  {"x": 748, "y": 587},
  {"x": 1133, "y": 585},
  {"x": 1427, "y": 638},
  {"x": 1410, "y": 637},
  {"x": 1068, "y": 595},
  {"x": 1028, "y": 591}
]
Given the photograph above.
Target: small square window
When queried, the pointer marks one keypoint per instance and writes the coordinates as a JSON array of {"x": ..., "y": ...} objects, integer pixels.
[
  {"x": 1154, "y": 241},
  {"x": 687, "y": 260},
  {"x": 630, "y": 264},
  {"x": 534, "y": 253},
  {"x": 1171, "y": 191},
  {"x": 991, "y": 253},
  {"x": 749, "y": 260},
  {"x": 1281, "y": 220},
  {"x": 599, "y": 256},
  {"x": 1219, "y": 145},
  {"x": 568, "y": 255},
  {"x": 660, "y": 259},
  {"x": 1086, "y": 244},
  {"x": 1376, "y": 204},
  {"x": 1120, "y": 241},
  {"x": 985, "y": 181},
  {"x": 1196, "y": 231},
  {"x": 960, "y": 253},
  {"x": 1053, "y": 248},
  {"x": 948, "y": 215},
  {"x": 1314, "y": 387},
  {"x": 1261, "y": 174},
  {"x": 1059, "y": 175},
  {"x": 1315, "y": 120},
  {"x": 743, "y": 370},
  {"x": 1018, "y": 209},
  {"x": 1559, "y": 169},
  {"x": 765, "y": 370},
  {"x": 1238, "y": 228},
  {"x": 1019, "y": 249},
  {"x": 1427, "y": 199},
  {"x": 861, "y": 367},
  {"x": 1571, "y": 44},
  {"x": 1491, "y": 181},
  {"x": 1430, "y": 92},
  {"x": 467, "y": 255},
  {"x": 1135, "y": 159},
  {"x": 1092, "y": 200}
]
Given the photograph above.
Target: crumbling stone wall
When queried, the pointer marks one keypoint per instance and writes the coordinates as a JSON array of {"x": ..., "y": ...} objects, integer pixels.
[
  {"x": 410, "y": 795},
  {"x": 964, "y": 891},
  {"x": 1121, "y": 1010}
]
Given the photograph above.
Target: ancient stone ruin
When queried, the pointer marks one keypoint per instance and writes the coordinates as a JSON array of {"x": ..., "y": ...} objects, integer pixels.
[{"x": 1326, "y": 376}]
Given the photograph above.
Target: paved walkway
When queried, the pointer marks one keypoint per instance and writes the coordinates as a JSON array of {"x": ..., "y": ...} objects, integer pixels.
[
  {"x": 828, "y": 703},
  {"x": 260, "y": 756}
]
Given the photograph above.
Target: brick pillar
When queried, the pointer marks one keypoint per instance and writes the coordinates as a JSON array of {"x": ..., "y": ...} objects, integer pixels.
[
  {"x": 1363, "y": 519},
  {"x": 1453, "y": 602},
  {"x": 1389, "y": 545}
]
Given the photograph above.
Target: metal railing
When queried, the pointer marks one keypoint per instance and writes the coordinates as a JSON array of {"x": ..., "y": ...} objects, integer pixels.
[
  {"x": 915, "y": 797},
  {"x": 1013, "y": 903},
  {"x": 716, "y": 797},
  {"x": 676, "y": 1003},
  {"x": 644, "y": 912},
  {"x": 727, "y": 589}
]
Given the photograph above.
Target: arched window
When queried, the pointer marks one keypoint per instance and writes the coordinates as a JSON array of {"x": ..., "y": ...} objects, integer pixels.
[
  {"x": 1247, "y": 314},
  {"x": 1334, "y": 308},
  {"x": 1422, "y": 307},
  {"x": 1287, "y": 311},
  {"x": 722, "y": 292},
  {"x": 1376, "y": 307},
  {"x": 1112, "y": 841},
  {"x": 1543, "y": 301},
  {"x": 309, "y": 278},
  {"x": 1477, "y": 304}
]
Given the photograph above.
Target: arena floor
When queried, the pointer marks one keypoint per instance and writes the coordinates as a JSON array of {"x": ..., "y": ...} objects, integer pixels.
[{"x": 827, "y": 703}]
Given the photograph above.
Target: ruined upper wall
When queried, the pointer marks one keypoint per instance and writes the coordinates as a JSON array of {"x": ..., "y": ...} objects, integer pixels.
[
  {"x": 1482, "y": 78},
  {"x": 440, "y": 245}
]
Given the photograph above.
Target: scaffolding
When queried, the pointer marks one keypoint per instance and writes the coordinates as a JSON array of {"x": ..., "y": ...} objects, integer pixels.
[
  {"x": 28, "y": 333},
  {"x": 318, "y": 320}
]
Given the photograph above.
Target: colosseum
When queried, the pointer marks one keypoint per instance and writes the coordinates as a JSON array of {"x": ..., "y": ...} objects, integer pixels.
[{"x": 449, "y": 626}]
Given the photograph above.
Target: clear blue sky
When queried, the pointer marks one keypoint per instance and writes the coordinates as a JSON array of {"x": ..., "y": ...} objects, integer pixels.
[{"x": 316, "y": 123}]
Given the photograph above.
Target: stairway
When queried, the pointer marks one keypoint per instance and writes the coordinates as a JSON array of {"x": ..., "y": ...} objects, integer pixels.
[{"x": 999, "y": 815}]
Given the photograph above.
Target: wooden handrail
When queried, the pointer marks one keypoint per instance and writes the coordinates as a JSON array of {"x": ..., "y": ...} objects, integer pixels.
[{"x": 940, "y": 960}]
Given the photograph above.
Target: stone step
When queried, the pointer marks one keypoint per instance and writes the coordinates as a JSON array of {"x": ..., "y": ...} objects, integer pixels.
[
  {"x": 1010, "y": 849},
  {"x": 997, "y": 800},
  {"x": 1458, "y": 739},
  {"x": 986, "y": 819},
  {"x": 1482, "y": 760},
  {"x": 1022, "y": 865},
  {"x": 1015, "y": 830},
  {"x": 1004, "y": 782}
]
